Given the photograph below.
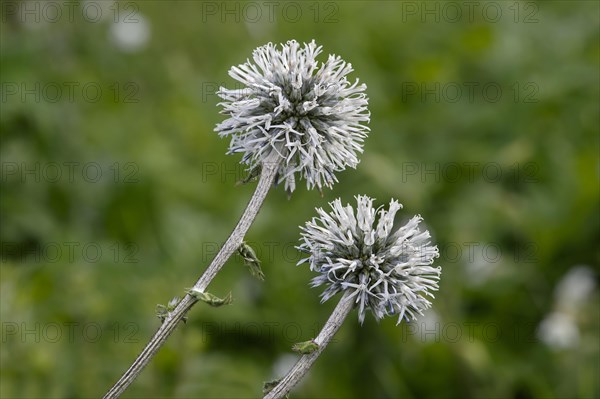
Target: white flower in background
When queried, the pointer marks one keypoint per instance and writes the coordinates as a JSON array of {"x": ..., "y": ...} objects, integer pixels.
[
  {"x": 574, "y": 288},
  {"x": 312, "y": 116},
  {"x": 130, "y": 34},
  {"x": 387, "y": 271},
  {"x": 559, "y": 331},
  {"x": 559, "y": 328}
]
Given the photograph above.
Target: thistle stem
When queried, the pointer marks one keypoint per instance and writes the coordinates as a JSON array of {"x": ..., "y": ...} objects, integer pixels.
[
  {"x": 304, "y": 364},
  {"x": 267, "y": 176}
]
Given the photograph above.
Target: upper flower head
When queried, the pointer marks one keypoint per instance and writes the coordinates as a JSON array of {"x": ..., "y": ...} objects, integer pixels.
[
  {"x": 386, "y": 271},
  {"x": 311, "y": 116}
]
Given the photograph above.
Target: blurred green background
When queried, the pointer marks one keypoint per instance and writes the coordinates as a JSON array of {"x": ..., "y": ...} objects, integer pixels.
[{"x": 116, "y": 193}]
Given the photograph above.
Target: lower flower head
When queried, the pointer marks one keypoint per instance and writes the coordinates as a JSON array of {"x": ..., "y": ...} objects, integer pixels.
[{"x": 386, "y": 271}]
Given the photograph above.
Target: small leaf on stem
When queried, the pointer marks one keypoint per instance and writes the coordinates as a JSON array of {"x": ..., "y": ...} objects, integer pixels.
[
  {"x": 209, "y": 298},
  {"x": 251, "y": 260},
  {"x": 305, "y": 347},
  {"x": 162, "y": 311}
]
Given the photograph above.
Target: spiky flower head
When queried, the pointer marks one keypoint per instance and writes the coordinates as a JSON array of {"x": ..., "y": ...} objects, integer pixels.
[
  {"x": 310, "y": 115},
  {"x": 386, "y": 271}
]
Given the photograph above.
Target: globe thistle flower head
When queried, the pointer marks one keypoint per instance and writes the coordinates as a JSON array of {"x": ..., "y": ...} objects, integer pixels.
[
  {"x": 386, "y": 271},
  {"x": 309, "y": 114}
]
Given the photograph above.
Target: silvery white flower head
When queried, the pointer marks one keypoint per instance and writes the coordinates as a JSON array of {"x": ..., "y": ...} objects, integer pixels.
[
  {"x": 384, "y": 270},
  {"x": 310, "y": 115}
]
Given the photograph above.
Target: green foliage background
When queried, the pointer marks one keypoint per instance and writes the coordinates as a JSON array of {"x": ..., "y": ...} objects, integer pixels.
[{"x": 506, "y": 240}]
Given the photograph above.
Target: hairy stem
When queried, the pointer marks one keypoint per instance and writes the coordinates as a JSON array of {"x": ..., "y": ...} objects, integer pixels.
[
  {"x": 304, "y": 364},
  {"x": 267, "y": 176}
]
